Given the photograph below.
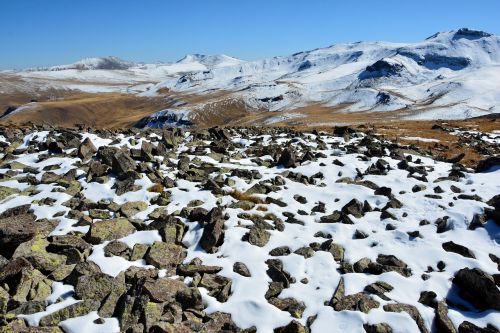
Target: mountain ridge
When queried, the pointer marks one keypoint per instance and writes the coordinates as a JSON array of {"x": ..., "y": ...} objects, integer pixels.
[{"x": 450, "y": 75}]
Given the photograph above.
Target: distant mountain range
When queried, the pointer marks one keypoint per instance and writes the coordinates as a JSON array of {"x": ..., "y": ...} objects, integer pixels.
[{"x": 449, "y": 75}]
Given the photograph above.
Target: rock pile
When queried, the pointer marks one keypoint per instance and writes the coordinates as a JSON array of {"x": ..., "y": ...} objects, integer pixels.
[{"x": 174, "y": 231}]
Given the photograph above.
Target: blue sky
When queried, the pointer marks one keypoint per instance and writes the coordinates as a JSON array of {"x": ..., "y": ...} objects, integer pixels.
[{"x": 49, "y": 32}]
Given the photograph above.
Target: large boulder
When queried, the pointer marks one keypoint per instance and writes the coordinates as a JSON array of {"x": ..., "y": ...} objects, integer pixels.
[
  {"x": 24, "y": 282},
  {"x": 165, "y": 255},
  {"x": 108, "y": 230},
  {"x": 163, "y": 289},
  {"x": 74, "y": 310},
  {"x": 15, "y": 230},
  {"x": 86, "y": 150},
  {"x": 131, "y": 208},
  {"x": 6, "y": 192},
  {"x": 495, "y": 213},
  {"x": 288, "y": 158},
  {"x": 354, "y": 208},
  {"x": 35, "y": 251},
  {"x": 122, "y": 164},
  {"x": 478, "y": 288},
  {"x": 213, "y": 235},
  {"x": 488, "y": 164}
]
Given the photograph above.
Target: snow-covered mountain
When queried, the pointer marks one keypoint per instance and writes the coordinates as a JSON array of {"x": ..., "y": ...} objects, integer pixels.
[
  {"x": 210, "y": 61},
  {"x": 105, "y": 63},
  {"x": 454, "y": 74}
]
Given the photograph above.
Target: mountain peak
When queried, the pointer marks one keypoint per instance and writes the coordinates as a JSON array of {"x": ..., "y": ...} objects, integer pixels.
[
  {"x": 109, "y": 62},
  {"x": 462, "y": 33},
  {"x": 217, "y": 60},
  {"x": 92, "y": 63}
]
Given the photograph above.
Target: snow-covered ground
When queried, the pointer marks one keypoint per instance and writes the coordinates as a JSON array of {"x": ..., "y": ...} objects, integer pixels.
[{"x": 293, "y": 223}]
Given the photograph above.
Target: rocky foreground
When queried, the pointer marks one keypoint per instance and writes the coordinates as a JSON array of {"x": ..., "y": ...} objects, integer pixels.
[{"x": 243, "y": 230}]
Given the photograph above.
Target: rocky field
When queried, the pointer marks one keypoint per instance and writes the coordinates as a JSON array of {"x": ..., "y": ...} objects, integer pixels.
[{"x": 245, "y": 230}]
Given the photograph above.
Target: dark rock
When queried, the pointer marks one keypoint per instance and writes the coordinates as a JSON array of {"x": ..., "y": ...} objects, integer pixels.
[
  {"x": 86, "y": 268},
  {"x": 495, "y": 203},
  {"x": 190, "y": 298},
  {"x": 428, "y": 298},
  {"x": 354, "y": 207},
  {"x": 258, "y": 236},
  {"x": 213, "y": 235},
  {"x": 379, "y": 288},
  {"x": 332, "y": 218},
  {"x": 359, "y": 234},
  {"x": 15, "y": 230},
  {"x": 288, "y": 158},
  {"x": 418, "y": 188},
  {"x": 488, "y": 164},
  {"x": 280, "y": 251},
  {"x": 377, "y": 328},
  {"x": 94, "y": 287},
  {"x": 293, "y": 327},
  {"x": 468, "y": 327},
  {"x": 276, "y": 273},
  {"x": 291, "y": 305},
  {"x": 300, "y": 199},
  {"x": 117, "y": 248},
  {"x": 192, "y": 269},
  {"x": 478, "y": 288},
  {"x": 15, "y": 211},
  {"x": 459, "y": 249},
  {"x": 385, "y": 191}
]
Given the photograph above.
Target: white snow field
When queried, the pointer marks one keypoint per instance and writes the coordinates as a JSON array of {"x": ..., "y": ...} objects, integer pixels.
[{"x": 411, "y": 231}]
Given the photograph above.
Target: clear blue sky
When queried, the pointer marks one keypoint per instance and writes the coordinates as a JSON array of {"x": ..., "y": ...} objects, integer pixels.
[{"x": 49, "y": 32}]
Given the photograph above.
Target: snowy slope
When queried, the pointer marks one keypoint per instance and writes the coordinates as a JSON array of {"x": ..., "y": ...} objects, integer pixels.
[{"x": 452, "y": 68}]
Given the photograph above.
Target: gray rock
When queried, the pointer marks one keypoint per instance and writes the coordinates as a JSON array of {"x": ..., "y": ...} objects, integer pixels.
[
  {"x": 411, "y": 310},
  {"x": 86, "y": 149},
  {"x": 122, "y": 164},
  {"x": 443, "y": 323},
  {"x": 163, "y": 289},
  {"x": 109, "y": 230},
  {"x": 258, "y": 236},
  {"x": 165, "y": 256},
  {"x": 241, "y": 269}
]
